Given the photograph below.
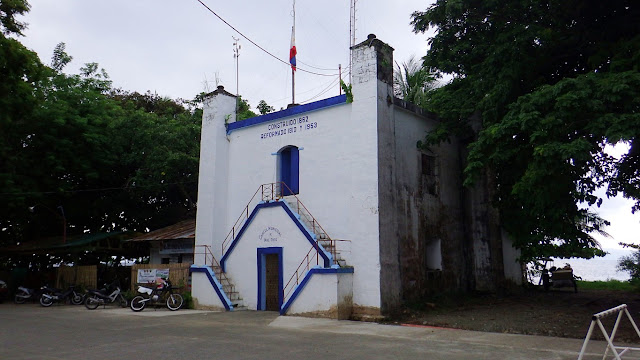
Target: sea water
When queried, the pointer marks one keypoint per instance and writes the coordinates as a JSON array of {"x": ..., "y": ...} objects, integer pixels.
[
  {"x": 600, "y": 268},
  {"x": 596, "y": 269}
]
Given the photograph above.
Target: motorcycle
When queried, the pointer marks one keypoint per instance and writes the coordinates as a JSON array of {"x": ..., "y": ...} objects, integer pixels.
[
  {"x": 110, "y": 294},
  {"x": 4, "y": 291},
  {"x": 51, "y": 295},
  {"x": 24, "y": 294},
  {"x": 161, "y": 295}
]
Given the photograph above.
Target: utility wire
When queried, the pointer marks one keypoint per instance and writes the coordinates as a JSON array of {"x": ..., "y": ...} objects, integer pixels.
[
  {"x": 313, "y": 67},
  {"x": 258, "y": 46},
  {"x": 324, "y": 91},
  {"x": 93, "y": 190}
]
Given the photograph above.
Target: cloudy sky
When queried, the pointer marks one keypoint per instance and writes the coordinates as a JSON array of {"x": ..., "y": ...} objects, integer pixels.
[{"x": 179, "y": 49}]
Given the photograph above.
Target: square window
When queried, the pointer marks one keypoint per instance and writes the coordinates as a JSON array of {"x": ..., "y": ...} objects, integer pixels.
[{"x": 428, "y": 165}]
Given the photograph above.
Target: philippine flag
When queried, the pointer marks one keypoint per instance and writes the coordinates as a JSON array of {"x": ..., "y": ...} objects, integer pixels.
[{"x": 293, "y": 52}]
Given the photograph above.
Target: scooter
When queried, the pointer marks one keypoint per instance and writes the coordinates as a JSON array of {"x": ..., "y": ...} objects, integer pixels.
[
  {"x": 24, "y": 294},
  {"x": 51, "y": 295},
  {"x": 108, "y": 295}
]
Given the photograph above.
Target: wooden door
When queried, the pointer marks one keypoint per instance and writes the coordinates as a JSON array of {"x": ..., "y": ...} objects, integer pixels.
[{"x": 271, "y": 282}]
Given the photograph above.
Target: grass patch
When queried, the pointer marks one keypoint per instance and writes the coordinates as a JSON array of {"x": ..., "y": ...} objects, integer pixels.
[{"x": 607, "y": 285}]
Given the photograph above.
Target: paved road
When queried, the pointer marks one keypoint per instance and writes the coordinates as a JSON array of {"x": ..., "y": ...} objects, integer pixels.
[{"x": 72, "y": 332}]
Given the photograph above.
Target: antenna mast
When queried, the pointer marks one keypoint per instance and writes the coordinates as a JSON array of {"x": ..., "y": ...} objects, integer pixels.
[
  {"x": 352, "y": 34},
  {"x": 236, "y": 56}
]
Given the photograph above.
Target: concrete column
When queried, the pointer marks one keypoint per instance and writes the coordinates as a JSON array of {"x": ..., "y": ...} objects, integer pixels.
[
  {"x": 211, "y": 227},
  {"x": 373, "y": 98}
]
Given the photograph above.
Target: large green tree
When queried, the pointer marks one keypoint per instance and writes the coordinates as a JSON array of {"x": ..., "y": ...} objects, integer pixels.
[
  {"x": 76, "y": 151},
  {"x": 538, "y": 89}
]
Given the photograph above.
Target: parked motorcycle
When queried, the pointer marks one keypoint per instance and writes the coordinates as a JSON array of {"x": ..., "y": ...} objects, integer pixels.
[
  {"x": 51, "y": 295},
  {"x": 161, "y": 295},
  {"x": 4, "y": 291},
  {"x": 24, "y": 294},
  {"x": 110, "y": 294}
]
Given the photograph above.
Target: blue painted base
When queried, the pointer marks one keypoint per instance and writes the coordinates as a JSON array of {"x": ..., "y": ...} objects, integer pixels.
[
  {"x": 305, "y": 280},
  {"x": 215, "y": 284}
]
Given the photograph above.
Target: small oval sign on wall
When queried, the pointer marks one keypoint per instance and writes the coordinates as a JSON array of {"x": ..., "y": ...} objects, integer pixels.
[{"x": 270, "y": 235}]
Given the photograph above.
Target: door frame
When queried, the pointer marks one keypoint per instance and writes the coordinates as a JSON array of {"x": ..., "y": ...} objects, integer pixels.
[
  {"x": 262, "y": 274},
  {"x": 289, "y": 169}
]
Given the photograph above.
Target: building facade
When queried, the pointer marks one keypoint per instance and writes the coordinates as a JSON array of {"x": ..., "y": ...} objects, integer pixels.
[{"x": 330, "y": 208}]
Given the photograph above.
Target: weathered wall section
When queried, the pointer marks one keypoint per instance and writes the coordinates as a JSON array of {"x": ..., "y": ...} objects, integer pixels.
[{"x": 428, "y": 203}]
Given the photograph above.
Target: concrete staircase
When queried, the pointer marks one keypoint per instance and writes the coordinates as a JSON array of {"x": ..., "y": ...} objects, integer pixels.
[
  {"x": 229, "y": 288},
  {"x": 323, "y": 238}
]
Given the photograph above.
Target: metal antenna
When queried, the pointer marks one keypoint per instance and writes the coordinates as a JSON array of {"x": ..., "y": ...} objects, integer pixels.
[
  {"x": 352, "y": 35},
  {"x": 236, "y": 56}
]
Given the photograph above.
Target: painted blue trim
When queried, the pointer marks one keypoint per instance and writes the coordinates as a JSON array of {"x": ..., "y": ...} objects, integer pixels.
[
  {"x": 316, "y": 105},
  {"x": 261, "y": 252},
  {"x": 307, "y": 233},
  {"x": 290, "y": 169},
  {"x": 215, "y": 283},
  {"x": 305, "y": 280}
]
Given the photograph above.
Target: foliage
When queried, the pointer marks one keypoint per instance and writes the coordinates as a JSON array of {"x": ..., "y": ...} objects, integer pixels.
[
  {"x": 347, "y": 90},
  {"x": 264, "y": 108},
  {"x": 8, "y": 11},
  {"x": 631, "y": 264},
  {"x": 412, "y": 82},
  {"x": 188, "y": 300},
  {"x": 539, "y": 89},
  {"x": 243, "y": 110},
  {"x": 129, "y": 294},
  {"x": 77, "y": 150}
]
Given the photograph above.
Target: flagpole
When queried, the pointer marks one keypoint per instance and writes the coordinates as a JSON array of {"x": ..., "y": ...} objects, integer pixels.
[{"x": 293, "y": 69}]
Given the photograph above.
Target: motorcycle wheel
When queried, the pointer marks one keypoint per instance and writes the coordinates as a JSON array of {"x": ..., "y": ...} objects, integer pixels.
[
  {"x": 46, "y": 301},
  {"x": 123, "y": 301},
  {"x": 20, "y": 299},
  {"x": 138, "y": 303},
  {"x": 91, "y": 302},
  {"x": 77, "y": 299},
  {"x": 174, "y": 302}
]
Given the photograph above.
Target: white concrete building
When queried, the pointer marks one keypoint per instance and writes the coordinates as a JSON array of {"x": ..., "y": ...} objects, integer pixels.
[{"x": 366, "y": 219}]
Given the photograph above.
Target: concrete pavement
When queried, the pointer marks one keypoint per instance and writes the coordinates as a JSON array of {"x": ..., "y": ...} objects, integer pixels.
[{"x": 72, "y": 332}]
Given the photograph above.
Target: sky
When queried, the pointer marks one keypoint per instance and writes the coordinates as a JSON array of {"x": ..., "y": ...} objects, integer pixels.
[{"x": 179, "y": 49}]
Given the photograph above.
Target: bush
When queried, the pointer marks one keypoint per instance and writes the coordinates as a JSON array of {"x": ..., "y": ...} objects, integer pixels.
[
  {"x": 188, "y": 301},
  {"x": 631, "y": 264}
]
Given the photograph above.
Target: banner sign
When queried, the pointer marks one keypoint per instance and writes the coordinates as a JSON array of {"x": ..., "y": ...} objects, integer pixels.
[{"x": 146, "y": 276}]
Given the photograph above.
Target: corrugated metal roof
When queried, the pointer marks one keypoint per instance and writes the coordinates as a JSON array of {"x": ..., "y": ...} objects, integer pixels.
[
  {"x": 183, "y": 230},
  {"x": 59, "y": 242}
]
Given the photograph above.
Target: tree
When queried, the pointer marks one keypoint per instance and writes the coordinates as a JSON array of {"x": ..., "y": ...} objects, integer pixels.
[
  {"x": 412, "y": 82},
  {"x": 114, "y": 161},
  {"x": 631, "y": 263},
  {"x": 8, "y": 11},
  {"x": 539, "y": 89},
  {"x": 264, "y": 108},
  {"x": 244, "y": 110}
]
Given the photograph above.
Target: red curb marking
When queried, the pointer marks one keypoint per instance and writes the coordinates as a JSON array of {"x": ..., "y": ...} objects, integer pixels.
[{"x": 426, "y": 326}]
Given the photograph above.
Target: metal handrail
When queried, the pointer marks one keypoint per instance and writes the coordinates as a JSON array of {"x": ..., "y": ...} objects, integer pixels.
[
  {"x": 274, "y": 192},
  {"x": 316, "y": 228},
  {"x": 244, "y": 216},
  {"x": 206, "y": 251},
  {"x": 306, "y": 261}
]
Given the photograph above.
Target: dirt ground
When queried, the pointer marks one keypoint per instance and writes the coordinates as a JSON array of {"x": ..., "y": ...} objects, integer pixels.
[{"x": 558, "y": 312}]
